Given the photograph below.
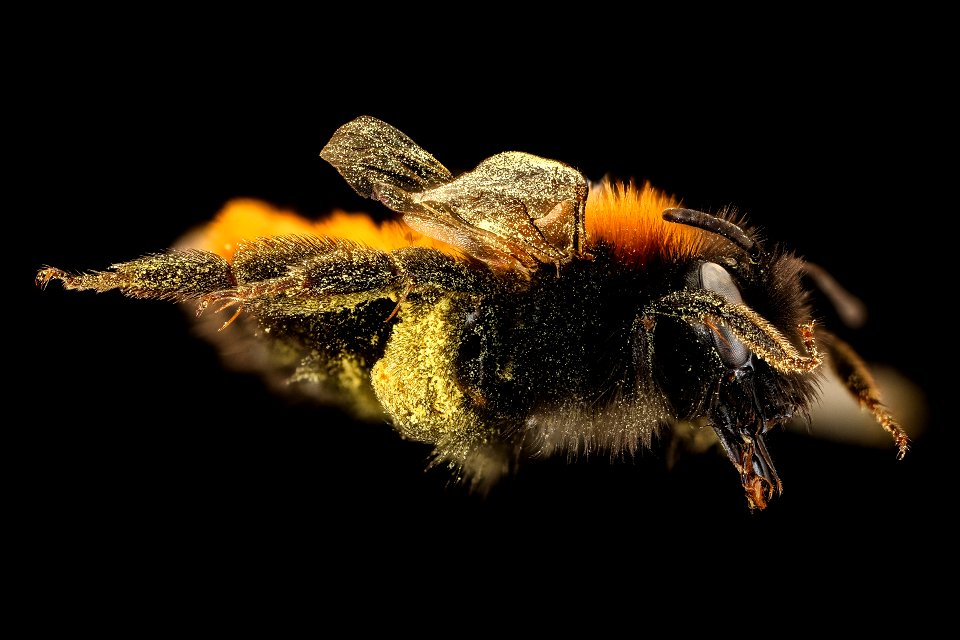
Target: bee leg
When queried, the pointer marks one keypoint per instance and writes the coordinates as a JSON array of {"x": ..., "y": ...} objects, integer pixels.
[
  {"x": 422, "y": 269},
  {"x": 306, "y": 275},
  {"x": 303, "y": 275},
  {"x": 176, "y": 275},
  {"x": 238, "y": 297},
  {"x": 352, "y": 269},
  {"x": 425, "y": 268},
  {"x": 853, "y": 371}
]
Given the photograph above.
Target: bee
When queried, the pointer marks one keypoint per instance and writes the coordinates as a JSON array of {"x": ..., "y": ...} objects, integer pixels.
[{"x": 514, "y": 312}]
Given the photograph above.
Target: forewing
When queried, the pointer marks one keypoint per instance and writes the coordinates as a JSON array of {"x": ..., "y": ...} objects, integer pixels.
[
  {"x": 533, "y": 206},
  {"x": 513, "y": 211}
]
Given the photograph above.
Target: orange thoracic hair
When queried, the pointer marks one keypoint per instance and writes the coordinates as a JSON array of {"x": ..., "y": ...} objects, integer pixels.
[{"x": 628, "y": 219}]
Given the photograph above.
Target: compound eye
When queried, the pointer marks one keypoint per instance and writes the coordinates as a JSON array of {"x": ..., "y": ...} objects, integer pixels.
[{"x": 715, "y": 278}]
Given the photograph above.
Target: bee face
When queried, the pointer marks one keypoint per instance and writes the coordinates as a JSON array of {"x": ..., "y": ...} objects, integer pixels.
[{"x": 516, "y": 312}]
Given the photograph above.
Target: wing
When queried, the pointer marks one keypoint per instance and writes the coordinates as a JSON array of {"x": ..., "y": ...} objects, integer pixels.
[{"x": 513, "y": 211}]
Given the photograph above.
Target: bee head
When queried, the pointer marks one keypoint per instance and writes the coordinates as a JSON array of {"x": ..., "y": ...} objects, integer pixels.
[{"x": 723, "y": 363}]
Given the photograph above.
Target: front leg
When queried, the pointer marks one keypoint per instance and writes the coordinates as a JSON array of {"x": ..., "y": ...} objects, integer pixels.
[{"x": 856, "y": 377}]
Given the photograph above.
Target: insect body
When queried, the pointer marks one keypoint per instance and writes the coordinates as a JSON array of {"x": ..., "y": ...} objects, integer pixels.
[{"x": 518, "y": 311}]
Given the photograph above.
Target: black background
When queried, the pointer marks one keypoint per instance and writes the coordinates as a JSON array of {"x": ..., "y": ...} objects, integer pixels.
[{"x": 140, "y": 455}]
